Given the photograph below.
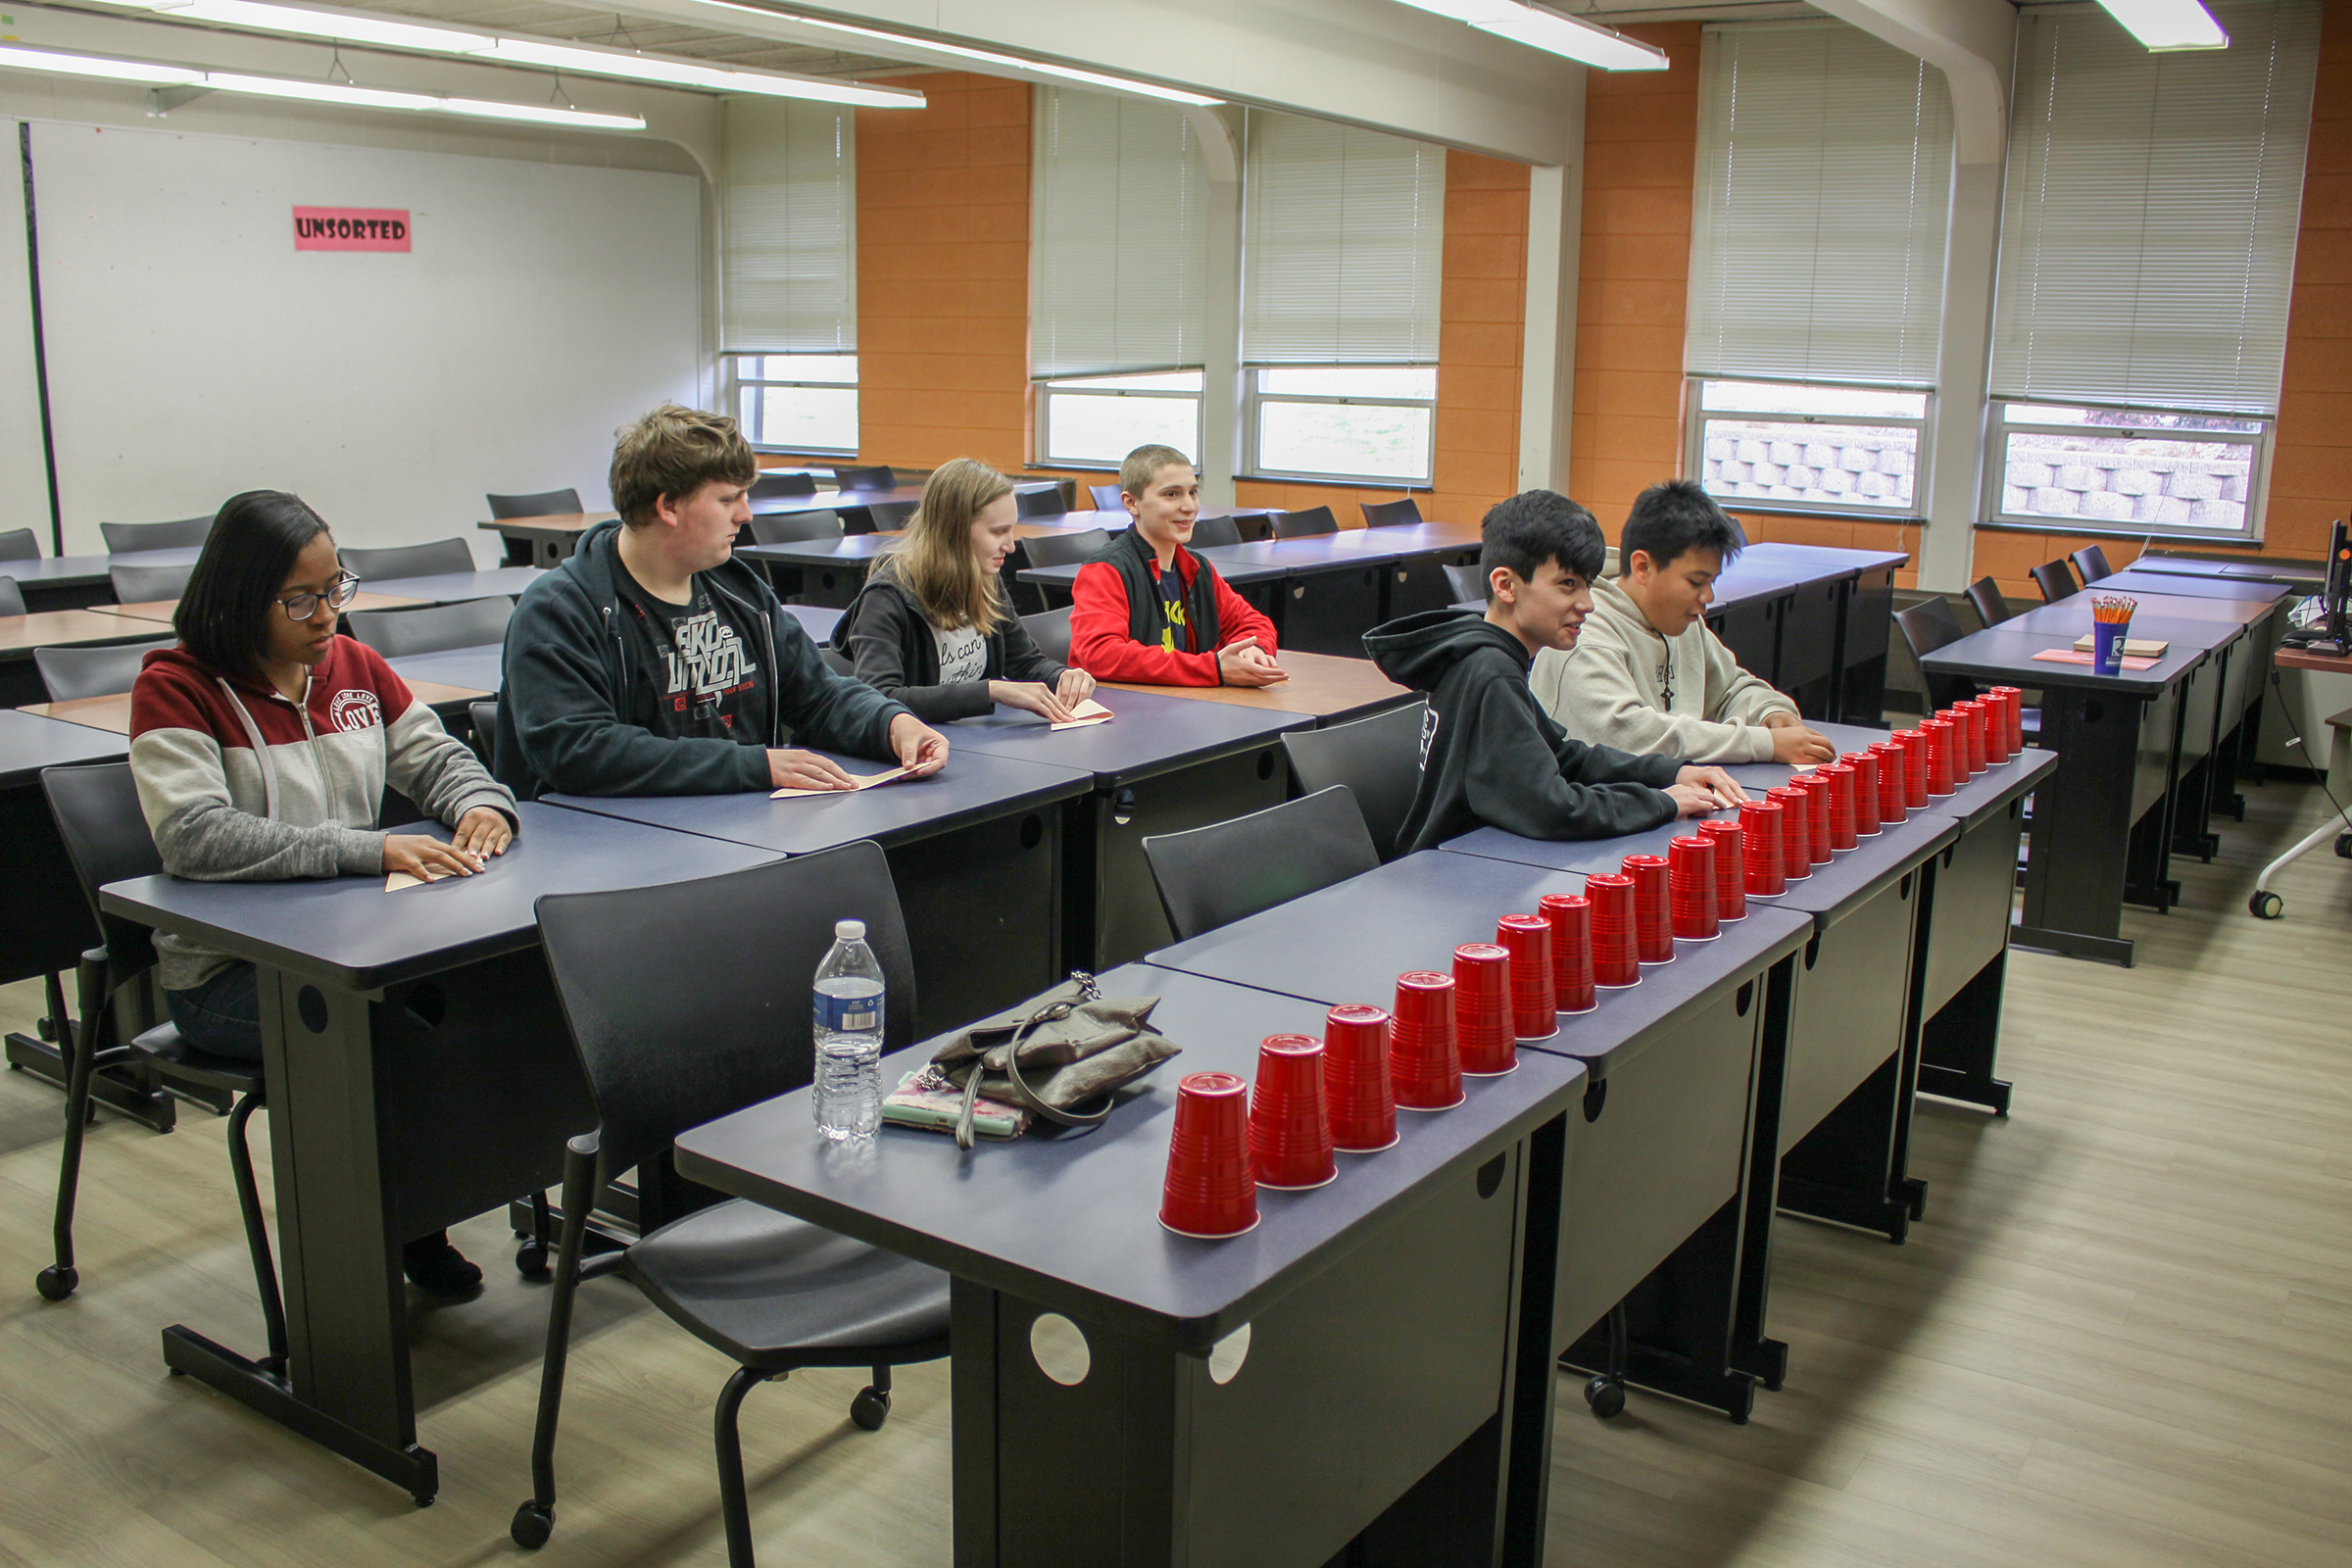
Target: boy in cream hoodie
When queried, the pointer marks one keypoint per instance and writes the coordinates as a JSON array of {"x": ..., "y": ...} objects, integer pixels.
[{"x": 1647, "y": 675}]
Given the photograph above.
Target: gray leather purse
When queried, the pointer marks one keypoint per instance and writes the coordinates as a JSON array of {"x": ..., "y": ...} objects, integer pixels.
[{"x": 1054, "y": 1052}]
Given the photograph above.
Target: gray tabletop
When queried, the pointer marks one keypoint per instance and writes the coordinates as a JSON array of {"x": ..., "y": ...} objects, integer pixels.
[
  {"x": 2003, "y": 656},
  {"x": 475, "y": 668},
  {"x": 1151, "y": 735},
  {"x": 2071, "y": 617},
  {"x": 2136, "y": 583},
  {"x": 349, "y": 932},
  {"x": 1315, "y": 554},
  {"x": 817, "y": 621},
  {"x": 1993, "y": 789},
  {"x": 1240, "y": 574},
  {"x": 1737, "y": 589},
  {"x": 1071, "y": 1222},
  {"x": 973, "y": 787},
  {"x": 456, "y": 587},
  {"x": 75, "y": 571},
  {"x": 1811, "y": 564},
  {"x": 860, "y": 500},
  {"x": 29, "y": 742},
  {"x": 2306, "y": 576},
  {"x": 1348, "y": 943},
  {"x": 852, "y": 549}
]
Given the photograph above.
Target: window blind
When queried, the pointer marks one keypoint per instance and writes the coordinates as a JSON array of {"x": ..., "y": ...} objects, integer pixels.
[
  {"x": 789, "y": 214},
  {"x": 1342, "y": 241},
  {"x": 1118, "y": 268},
  {"x": 2149, "y": 211},
  {"x": 1824, "y": 196}
]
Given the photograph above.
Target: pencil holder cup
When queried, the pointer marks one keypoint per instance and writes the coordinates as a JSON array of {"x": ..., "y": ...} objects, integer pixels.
[{"x": 2107, "y": 646}]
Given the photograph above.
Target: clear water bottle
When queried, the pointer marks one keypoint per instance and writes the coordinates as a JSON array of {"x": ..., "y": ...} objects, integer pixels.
[{"x": 848, "y": 1037}]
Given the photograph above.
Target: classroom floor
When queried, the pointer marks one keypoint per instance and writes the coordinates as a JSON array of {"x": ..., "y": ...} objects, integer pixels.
[{"x": 2120, "y": 1334}]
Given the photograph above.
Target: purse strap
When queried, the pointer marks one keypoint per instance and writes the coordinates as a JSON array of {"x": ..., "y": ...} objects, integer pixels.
[{"x": 1050, "y": 1012}]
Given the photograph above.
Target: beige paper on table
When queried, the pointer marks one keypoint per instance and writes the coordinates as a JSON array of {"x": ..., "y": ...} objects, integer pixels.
[
  {"x": 2134, "y": 647},
  {"x": 1087, "y": 712},
  {"x": 862, "y": 782}
]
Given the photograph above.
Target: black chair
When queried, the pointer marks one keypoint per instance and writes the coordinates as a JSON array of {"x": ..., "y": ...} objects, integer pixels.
[
  {"x": 1388, "y": 514},
  {"x": 1107, "y": 499},
  {"x": 440, "y": 558},
  {"x": 1378, "y": 758},
  {"x": 1065, "y": 548},
  {"x": 1255, "y": 527},
  {"x": 783, "y": 486},
  {"x": 688, "y": 1002},
  {"x": 2092, "y": 562},
  {"x": 836, "y": 661},
  {"x": 546, "y": 503},
  {"x": 1985, "y": 594},
  {"x": 178, "y": 535},
  {"x": 1467, "y": 583},
  {"x": 1041, "y": 503},
  {"x": 2055, "y": 579},
  {"x": 11, "y": 598},
  {"x": 1301, "y": 524},
  {"x": 1052, "y": 634},
  {"x": 482, "y": 712},
  {"x": 433, "y": 628},
  {"x": 20, "y": 544},
  {"x": 106, "y": 838},
  {"x": 1927, "y": 626},
  {"x": 884, "y": 517},
  {"x": 1209, "y": 532},
  {"x": 1228, "y": 871},
  {"x": 71, "y": 672},
  {"x": 791, "y": 527},
  {"x": 854, "y": 479},
  {"x": 139, "y": 585}
]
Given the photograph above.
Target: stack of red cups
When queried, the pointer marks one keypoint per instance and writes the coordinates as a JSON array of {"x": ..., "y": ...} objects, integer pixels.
[
  {"x": 1796, "y": 855},
  {"x": 1731, "y": 870},
  {"x": 1425, "y": 1065},
  {"x": 1616, "y": 963},
  {"x": 1890, "y": 755},
  {"x": 1571, "y": 917},
  {"x": 1915, "y": 766},
  {"x": 1211, "y": 1186},
  {"x": 1481, "y": 1010},
  {"x": 1534, "y": 1004},
  {"x": 2013, "y": 701},
  {"x": 1996, "y": 729},
  {"x": 1763, "y": 864},
  {"x": 1355, "y": 1078},
  {"x": 1866, "y": 791},
  {"x": 1968, "y": 720},
  {"x": 1653, "y": 920},
  {"x": 1839, "y": 778},
  {"x": 1690, "y": 887},
  {"x": 1940, "y": 741},
  {"x": 1290, "y": 1128}
]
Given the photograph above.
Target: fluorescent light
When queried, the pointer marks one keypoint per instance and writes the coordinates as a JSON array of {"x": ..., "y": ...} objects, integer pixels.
[
  {"x": 1556, "y": 35},
  {"x": 540, "y": 114},
  {"x": 320, "y": 92},
  {"x": 2165, "y": 24},
  {"x": 110, "y": 70},
  {"x": 349, "y": 27}
]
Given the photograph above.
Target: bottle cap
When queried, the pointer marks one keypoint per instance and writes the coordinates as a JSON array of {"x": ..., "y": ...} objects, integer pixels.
[{"x": 850, "y": 930}]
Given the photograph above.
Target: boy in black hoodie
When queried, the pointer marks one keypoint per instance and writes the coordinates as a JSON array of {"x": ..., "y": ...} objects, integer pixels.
[{"x": 1490, "y": 754}]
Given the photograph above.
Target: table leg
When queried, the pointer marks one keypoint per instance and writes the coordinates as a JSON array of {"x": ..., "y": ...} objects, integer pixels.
[
  {"x": 2082, "y": 826},
  {"x": 1970, "y": 885},
  {"x": 1110, "y": 909},
  {"x": 983, "y": 907}
]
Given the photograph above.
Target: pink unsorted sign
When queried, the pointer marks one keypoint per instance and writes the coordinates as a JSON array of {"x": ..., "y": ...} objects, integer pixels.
[{"x": 351, "y": 229}]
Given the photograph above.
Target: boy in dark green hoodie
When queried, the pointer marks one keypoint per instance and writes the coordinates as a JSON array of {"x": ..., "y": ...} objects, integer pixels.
[{"x": 1490, "y": 754}]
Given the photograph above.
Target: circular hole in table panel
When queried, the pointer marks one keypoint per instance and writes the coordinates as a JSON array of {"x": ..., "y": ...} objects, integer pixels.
[
  {"x": 310, "y": 1002},
  {"x": 1061, "y": 1350},
  {"x": 1226, "y": 1356}
]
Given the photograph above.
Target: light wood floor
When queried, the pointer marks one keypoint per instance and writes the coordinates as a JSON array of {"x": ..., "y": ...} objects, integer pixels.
[{"x": 2123, "y": 1334}]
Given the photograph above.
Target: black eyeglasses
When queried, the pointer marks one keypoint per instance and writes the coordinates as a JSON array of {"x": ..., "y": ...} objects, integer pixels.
[{"x": 340, "y": 592}]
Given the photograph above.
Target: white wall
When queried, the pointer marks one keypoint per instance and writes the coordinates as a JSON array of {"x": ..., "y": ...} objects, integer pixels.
[{"x": 193, "y": 352}]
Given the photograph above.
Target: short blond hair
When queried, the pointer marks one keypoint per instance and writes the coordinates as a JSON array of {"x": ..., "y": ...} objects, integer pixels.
[
  {"x": 935, "y": 563},
  {"x": 1143, "y": 463},
  {"x": 674, "y": 452}
]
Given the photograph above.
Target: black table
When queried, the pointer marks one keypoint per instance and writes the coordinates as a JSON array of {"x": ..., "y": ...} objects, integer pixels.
[
  {"x": 1833, "y": 643},
  {"x": 456, "y": 587},
  {"x": 1201, "y": 1429},
  {"x": 76, "y": 582},
  {"x": 1746, "y": 614},
  {"x": 1163, "y": 765},
  {"x": 976, "y": 850},
  {"x": 2303, "y": 577},
  {"x": 1338, "y": 586},
  {"x": 2136, "y": 582},
  {"x": 420, "y": 1074}
]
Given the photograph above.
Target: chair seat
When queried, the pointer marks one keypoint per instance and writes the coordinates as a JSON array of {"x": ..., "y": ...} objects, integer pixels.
[
  {"x": 774, "y": 1292},
  {"x": 174, "y": 1058},
  {"x": 2029, "y": 721}
]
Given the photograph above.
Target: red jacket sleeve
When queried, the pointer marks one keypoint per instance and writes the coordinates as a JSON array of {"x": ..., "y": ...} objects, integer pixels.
[
  {"x": 1238, "y": 618},
  {"x": 1099, "y": 643}
]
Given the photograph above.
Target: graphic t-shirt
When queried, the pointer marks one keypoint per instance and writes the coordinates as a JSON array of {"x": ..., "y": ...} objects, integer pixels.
[
  {"x": 1171, "y": 605},
  {"x": 963, "y": 654},
  {"x": 702, "y": 665}
]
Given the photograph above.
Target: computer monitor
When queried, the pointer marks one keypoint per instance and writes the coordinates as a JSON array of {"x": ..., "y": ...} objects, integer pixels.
[{"x": 2339, "y": 586}]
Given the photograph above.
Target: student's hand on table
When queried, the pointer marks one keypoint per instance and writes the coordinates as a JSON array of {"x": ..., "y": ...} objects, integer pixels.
[
  {"x": 920, "y": 749},
  {"x": 806, "y": 771},
  {"x": 1796, "y": 741},
  {"x": 1244, "y": 664},
  {"x": 1074, "y": 687},
  {"x": 1723, "y": 786},
  {"x": 1693, "y": 800},
  {"x": 429, "y": 859},
  {"x": 484, "y": 831},
  {"x": 1031, "y": 696}
]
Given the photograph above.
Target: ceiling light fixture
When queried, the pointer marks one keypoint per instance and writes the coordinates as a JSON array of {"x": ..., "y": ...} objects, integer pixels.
[
  {"x": 1554, "y": 33},
  {"x": 2165, "y": 26}
]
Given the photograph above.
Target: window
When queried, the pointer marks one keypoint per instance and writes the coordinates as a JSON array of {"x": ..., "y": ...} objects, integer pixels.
[
  {"x": 2136, "y": 472},
  {"x": 796, "y": 402},
  {"x": 1091, "y": 421},
  {"x": 1355, "y": 424},
  {"x": 1810, "y": 448}
]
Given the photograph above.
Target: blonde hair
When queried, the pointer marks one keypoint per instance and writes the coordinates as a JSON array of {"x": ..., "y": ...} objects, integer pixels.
[
  {"x": 1143, "y": 463},
  {"x": 674, "y": 452},
  {"x": 935, "y": 560}
]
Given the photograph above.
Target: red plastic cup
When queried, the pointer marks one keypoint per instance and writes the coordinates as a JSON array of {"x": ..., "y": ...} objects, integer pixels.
[
  {"x": 2013, "y": 701},
  {"x": 1481, "y": 1010},
  {"x": 1968, "y": 725},
  {"x": 1839, "y": 777},
  {"x": 1653, "y": 919},
  {"x": 1796, "y": 815},
  {"x": 1763, "y": 866},
  {"x": 1866, "y": 791},
  {"x": 1534, "y": 996},
  {"x": 1355, "y": 1078},
  {"x": 1425, "y": 1065},
  {"x": 1211, "y": 1187},
  {"x": 1690, "y": 887},
  {"x": 1889, "y": 753},
  {"x": 1730, "y": 873},
  {"x": 1616, "y": 963},
  {"x": 1996, "y": 729},
  {"x": 1571, "y": 917},
  {"x": 1940, "y": 741},
  {"x": 1817, "y": 816},
  {"x": 1290, "y": 1128},
  {"x": 1915, "y": 766}
]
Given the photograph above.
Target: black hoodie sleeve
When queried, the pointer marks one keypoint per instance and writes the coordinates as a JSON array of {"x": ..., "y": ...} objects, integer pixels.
[
  {"x": 1522, "y": 782},
  {"x": 875, "y": 633}
]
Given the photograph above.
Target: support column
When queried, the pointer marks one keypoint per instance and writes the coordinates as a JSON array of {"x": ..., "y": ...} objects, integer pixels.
[
  {"x": 1947, "y": 551},
  {"x": 1221, "y": 131},
  {"x": 1555, "y": 210}
]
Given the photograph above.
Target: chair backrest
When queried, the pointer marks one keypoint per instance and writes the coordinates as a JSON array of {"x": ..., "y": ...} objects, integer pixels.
[
  {"x": 886, "y": 516},
  {"x": 546, "y": 503},
  {"x": 1062, "y": 549},
  {"x": 20, "y": 544},
  {"x": 483, "y": 711},
  {"x": 1107, "y": 499},
  {"x": 108, "y": 671},
  {"x": 2055, "y": 579},
  {"x": 1467, "y": 582},
  {"x": 1051, "y": 632},
  {"x": 855, "y": 479},
  {"x": 1384, "y": 514},
  {"x": 433, "y": 628},
  {"x": 1300, "y": 524},
  {"x": 790, "y": 527},
  {"x": 1929, "y": 625},
  {"x": 836, "y": 660},
  {"x": 2092, "y": 562},
  {"x": 1209, "y": 532},
  {"x": 11, "y": 598},
  {"x": 1040, "y": 502},
  {"x": 436, "y": 560},
  {"x": 175, "y": 535},
  {"x": 1228, "y": 871},
  {"x": 690, "y": 1000},
  {"x": 1985, "y": 594},
  {"x": 1377, "y": 759},
  {"x": 96, "y": 808},
  {"x": 139, "y": 585},
  {"x": 783, "y": 486}
]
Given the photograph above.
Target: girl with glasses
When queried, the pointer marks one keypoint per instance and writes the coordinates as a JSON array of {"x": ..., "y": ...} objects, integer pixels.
[{"x": 262, "y": 745}]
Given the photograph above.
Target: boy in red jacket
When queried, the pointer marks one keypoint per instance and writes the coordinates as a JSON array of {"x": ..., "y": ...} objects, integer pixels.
[{"x": 1147, "y": 610}]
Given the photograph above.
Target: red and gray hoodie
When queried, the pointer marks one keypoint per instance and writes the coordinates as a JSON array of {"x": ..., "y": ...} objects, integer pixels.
[{"x": 240, "y": 785}]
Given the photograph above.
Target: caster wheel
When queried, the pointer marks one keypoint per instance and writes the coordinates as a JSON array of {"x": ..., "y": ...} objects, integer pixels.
[
  {"x": 532, "y": 1526},
  {"x": 2343, "y": 846},
  {"x": 56, "y": 1284},
  {"x": 422, "y": 1499},
  {"x": 870, "y": 1409},
  {"x": 530, "y": 1260},
  {"x": 1605, "y": 1396},
  {"x": 2266, "y": 905}
]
